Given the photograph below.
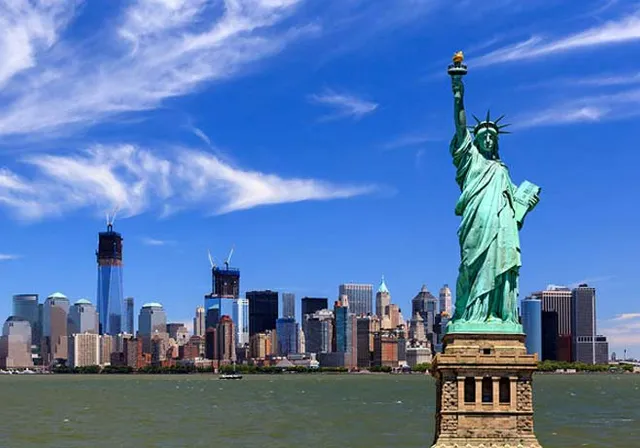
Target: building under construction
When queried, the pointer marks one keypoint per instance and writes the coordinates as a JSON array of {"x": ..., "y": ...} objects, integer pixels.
[
  {"x": 110, "y": 295},
  {"x": 225, "y": 285}
]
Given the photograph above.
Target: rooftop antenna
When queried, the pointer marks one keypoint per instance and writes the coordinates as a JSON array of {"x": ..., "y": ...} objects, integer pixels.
[
  {"x": 228, "y": 260},
  {"x": 211, "y": 260}
]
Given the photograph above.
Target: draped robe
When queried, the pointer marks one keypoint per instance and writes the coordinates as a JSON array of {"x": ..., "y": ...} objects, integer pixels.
[{"x": 487, "y": 286}]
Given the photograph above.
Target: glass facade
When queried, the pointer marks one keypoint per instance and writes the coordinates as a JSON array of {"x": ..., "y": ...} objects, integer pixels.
[
  {"x": 288, "y": 305},
  {"x": 54, "y": 327},
  {"x": 360, "y": 297},
  {"x": 263, "y": 311},
  {"x": 287, "y": 334},
  {"x": 241, "y": 321},
  {"x": 129, "y": 316},
  {"x": 83, "y": 318},
  {"x": 26, "y": 307},
  {"x": 213, "y": 310},
  {"x": 532, "y": 325},
  {"x": 110, "y": 298}
]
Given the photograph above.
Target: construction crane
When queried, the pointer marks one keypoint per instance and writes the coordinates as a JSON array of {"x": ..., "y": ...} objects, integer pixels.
[
  {"x": 111, "y": 218},
  {"x": 211, "y": 260},
  {"x": 228, "y": 260}
]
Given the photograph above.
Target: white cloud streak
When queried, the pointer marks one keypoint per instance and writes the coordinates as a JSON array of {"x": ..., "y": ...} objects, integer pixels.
[
  {"x": 159, "y": 50},
  {"x": 135, "y": 180},
  {"x": 409, "y": 140},
  {"x": 345, "y": 104},
  {"x": 156, "y": 242},
  {"x": 622, "y": 331},
  {"x": 8, "y": 257},
  {"x": 627, "y": 316},
  {"x": 623, "y": 30}
]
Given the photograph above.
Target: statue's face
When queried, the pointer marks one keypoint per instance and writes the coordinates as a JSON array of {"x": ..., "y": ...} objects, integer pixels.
[{"x": 487, "y": 144}]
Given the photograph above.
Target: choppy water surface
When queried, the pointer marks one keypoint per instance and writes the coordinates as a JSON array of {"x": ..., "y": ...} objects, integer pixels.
[{"x": 289, "y": 411}]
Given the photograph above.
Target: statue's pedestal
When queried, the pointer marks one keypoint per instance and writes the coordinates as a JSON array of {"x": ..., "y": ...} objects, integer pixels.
[{"x": 484, "y": 394}]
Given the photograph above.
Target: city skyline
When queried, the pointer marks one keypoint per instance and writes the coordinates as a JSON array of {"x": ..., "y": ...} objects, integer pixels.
[{"x": 320, "y": 153}]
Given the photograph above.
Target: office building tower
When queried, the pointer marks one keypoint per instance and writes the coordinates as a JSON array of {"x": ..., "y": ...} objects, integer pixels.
[
  {"x": 26, "y": 307},
  {"x": 383, "y": 298},
  {"x": 318, "y": 331},
  {"x": 287, "y": 334},
  {"x": 110, "y": 295},
  {"x": 15, "y": 343},
  {"x": 310, "y": 305},
  {"x": 84, "y": 350},
  {"x": 302, "y": 342},
  {"x": 263, "y": 311},
  {"x": 588, "y": 347},
  {"x": 198, "y": 322},
  {"x": 106, "y": 348},
  {"x": 152, "y": 320},
  {"x": 225, "y": 351},
  {"x": 83, "y": 318},
  {"x": 367, "y": 326},
  {"x": 213, "y": 307},
  {"x": 225, "y": 289},
  {"x": 241, "y": 321},
  {"x": 173, "y": 329},
  {"x": 445, "y": 300},
  {"x": 556, "y": 322},
  {"x": 360, "y": 297},
  {"x": 54, "y": 327},
  {"x": 129, "y": 316},
  {"x": 260, "y": 345},
  {"x": 288, "y": 305},
  {"x": 346, "y": 332},
  {"x": 531, "y": 311},
  {"x": 426, "y": 304}
]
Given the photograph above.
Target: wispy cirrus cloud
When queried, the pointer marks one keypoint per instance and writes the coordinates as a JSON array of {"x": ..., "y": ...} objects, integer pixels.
[
  {"x": 623, "y": 30},
  {"x": 137, "y": 180},
  {"x": 345, "y": 104},
  {"x": 409, "y": 140},
  {"x": 623, "y": 331},
  {"x": 585, "y": 108},
  {"x": 156, "y": 242},
  {"x": 8, "y": 257},
  {"x": 157, "y": 49},
  {"x": 627, "y": 316}
]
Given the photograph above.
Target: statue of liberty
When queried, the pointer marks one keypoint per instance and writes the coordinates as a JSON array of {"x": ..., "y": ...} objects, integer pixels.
[{"x": 493, "y": 211}]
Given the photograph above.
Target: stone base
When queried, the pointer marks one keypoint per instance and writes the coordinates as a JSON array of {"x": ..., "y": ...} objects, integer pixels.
[{"x": 484, "y": 393}]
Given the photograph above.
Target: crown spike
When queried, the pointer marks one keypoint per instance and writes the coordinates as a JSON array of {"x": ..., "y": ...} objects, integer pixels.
[
  {"x": 476, "y": 118},
  {"x": 504, "y": 125},
  {"x": 499, "y": 118},
  {"x": 488, "y": 115}
]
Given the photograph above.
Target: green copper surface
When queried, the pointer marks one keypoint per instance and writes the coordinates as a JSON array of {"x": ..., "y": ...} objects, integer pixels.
[{"x": 493, "y": 211}]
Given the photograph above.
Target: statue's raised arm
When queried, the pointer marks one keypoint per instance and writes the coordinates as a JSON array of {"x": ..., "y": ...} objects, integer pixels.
[{"x": 457, "y": 70}]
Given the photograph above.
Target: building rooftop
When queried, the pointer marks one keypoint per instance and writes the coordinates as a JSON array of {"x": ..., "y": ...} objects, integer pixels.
[
  {"x": 152, "y": 305},
  {"x": 57, "y": 295},
  {"x": 83, "y": 302},
  {"x": 383, "y": 287}
]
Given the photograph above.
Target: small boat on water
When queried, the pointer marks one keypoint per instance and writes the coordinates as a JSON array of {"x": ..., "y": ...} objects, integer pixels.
[{"x": 231, "y": 376}]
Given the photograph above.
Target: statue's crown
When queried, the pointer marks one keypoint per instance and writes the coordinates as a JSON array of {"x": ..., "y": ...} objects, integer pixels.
[{"x": 488, "y": 125}]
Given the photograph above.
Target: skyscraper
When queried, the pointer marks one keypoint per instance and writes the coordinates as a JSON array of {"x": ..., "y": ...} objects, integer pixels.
[
  {"x": 383, "y": 298},
  {"x": 225, "y": 288},
  {"x": 241, "y": 321},
  {"x": 25, "y": 306},
  {"x": 15, "y": 343},
  {"x": 360, "y": 297},
  {"x": 556, "y": 322},
  {"x": 225, "y": 351},
  {"x": 346, "y": 331},
  {"x": 588, "y": 346},
  {"x": 110, "y": 295},
  {"x": 54, "y": 328},
  {"x": 288, "y": 305},
  {"x": 263, "y": 311},
  {"x": 287, "y": 333},
  {"x": 152, "y": 320},
  {"x": 83, "y": 318},
  {"x": 318, "y": 331},
  {"x": 310, "y": 305},
  {"x": 532, "y": 325},
  {"x": 198, "y": 322},
  {"x": 129, "y": 320},
  {"x": 445, "y": 300}
]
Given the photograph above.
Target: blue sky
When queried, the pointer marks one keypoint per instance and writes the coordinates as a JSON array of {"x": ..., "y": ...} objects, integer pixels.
[{"x": 313, "y": 136}]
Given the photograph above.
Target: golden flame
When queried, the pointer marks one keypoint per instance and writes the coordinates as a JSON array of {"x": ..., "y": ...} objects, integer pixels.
[{"x": 458, "y": 57}]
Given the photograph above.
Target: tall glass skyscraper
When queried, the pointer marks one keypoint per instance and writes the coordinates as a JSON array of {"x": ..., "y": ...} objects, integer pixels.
[
  {"x": 288, "y": 305},
  {"x": 129, "y": 316},
  {"x": 110, "y": 295},
  {"x": 532, "y": 324},
  {"x": 360, "y": 297},
  {"x": 26, "y": 307},
  {"x": 241, "y": 321}
]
